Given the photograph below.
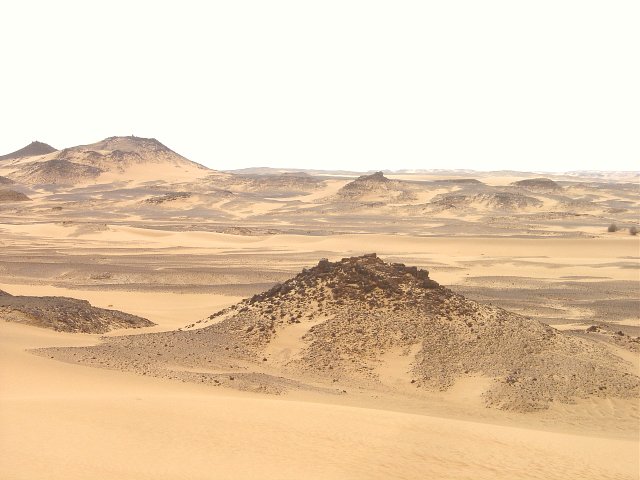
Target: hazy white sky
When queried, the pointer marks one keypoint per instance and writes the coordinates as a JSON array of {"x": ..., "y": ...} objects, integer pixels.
[{"x": 529, "y": 85}]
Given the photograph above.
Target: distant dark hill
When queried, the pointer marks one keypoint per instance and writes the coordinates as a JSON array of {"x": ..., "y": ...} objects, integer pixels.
[
  {"x": 543, "y": 185},
  {"x": 65, "y": 314},
  {"x": 8, "y": 195},
  {"x": 31, "y": 150}
]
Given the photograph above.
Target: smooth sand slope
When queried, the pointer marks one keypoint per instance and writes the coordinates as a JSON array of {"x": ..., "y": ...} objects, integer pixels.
[{"x": 62, "y": 421}]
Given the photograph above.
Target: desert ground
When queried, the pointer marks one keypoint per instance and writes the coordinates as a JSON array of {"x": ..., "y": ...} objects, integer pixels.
[{"x": 245, "y": 359}]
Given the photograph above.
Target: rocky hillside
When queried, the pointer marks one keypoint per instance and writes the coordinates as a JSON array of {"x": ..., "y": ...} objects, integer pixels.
[
  {"x": 353, "y": 321},
  {"x": 375, "y": 187},
  {"x": 120, "y": 153},
  {"x": 65, "y": 314},
  {"x": 500, "y": 200},
  {"x": 288, "y": 183},
  {"x": 56, "y": 172},
  {"x": 540, "y": 185},
  {"x": 112, "y": 158},
  {"x": 31, "y": 150}
]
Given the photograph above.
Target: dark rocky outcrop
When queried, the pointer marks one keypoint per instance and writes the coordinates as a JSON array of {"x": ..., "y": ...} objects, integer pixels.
[{"x": 65, "y": 314}]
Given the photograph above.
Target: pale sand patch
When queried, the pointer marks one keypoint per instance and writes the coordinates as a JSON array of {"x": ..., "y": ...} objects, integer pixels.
[
  {"x": 632, "y": 322},
  {"x": 288, "y": 344},
  {"x": 570, "y": 326},
  {"x": 395, "y": 366}
]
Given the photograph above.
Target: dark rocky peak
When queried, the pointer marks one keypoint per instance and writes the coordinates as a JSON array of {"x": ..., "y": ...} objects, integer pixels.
[
  {"x": 374, "y": 177},
  {"x": 33, "y": 149},
  {"x": 353, "y": 277}
]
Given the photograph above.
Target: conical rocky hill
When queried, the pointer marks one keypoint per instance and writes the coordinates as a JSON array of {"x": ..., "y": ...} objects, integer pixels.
[
  {"x": 31, "y": 150},
  {"x": 9, "y": 195},
  {"x": 346, "y": 323}
]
